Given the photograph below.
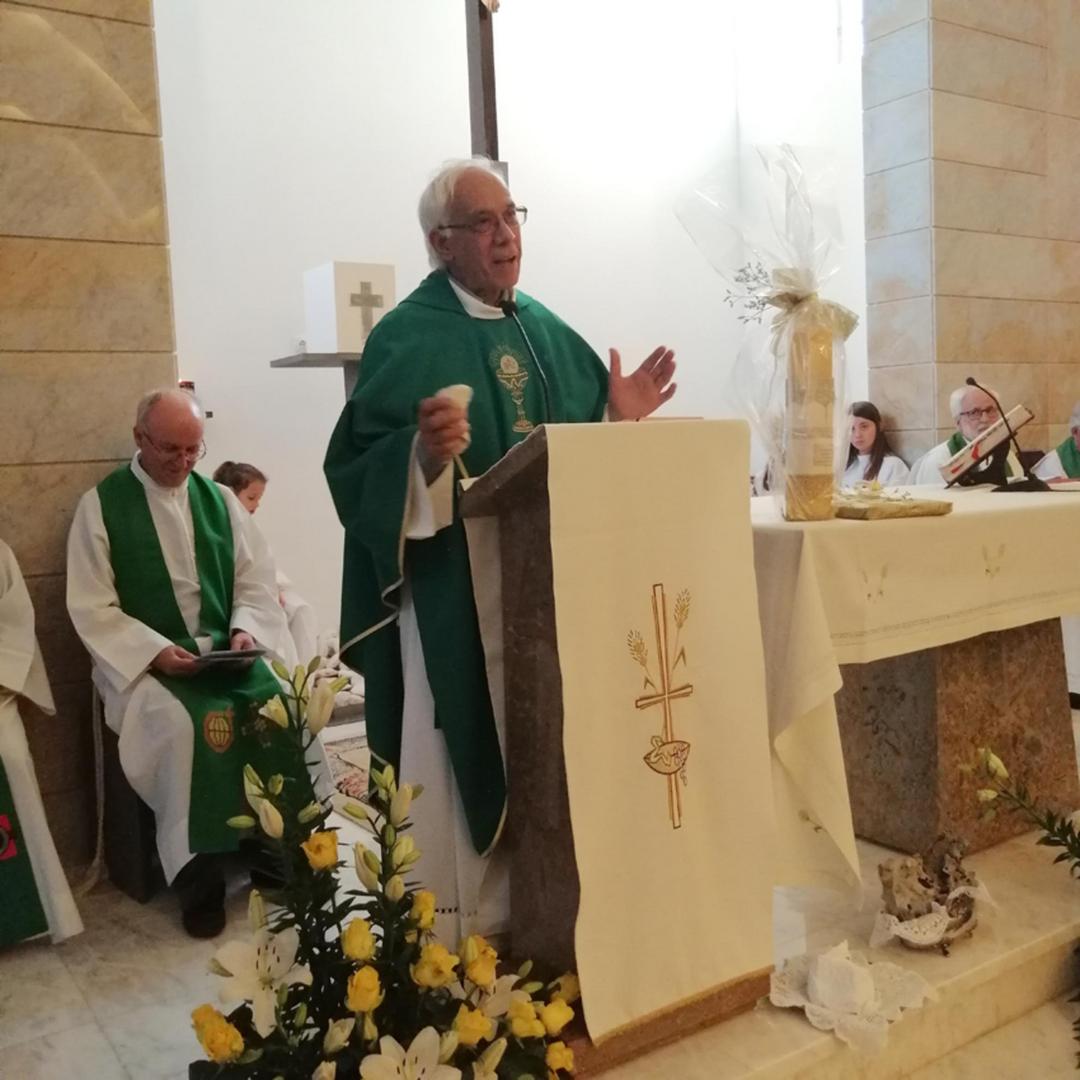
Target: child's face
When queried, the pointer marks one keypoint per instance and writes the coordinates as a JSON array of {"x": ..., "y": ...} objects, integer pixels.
[{"x": 252, "y": 495}]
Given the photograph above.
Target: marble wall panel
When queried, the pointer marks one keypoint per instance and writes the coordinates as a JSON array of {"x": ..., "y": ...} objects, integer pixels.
[
  {"x": 896, "y": 133},
  {"x": 900, "y": 332},
  {"x": 60, "y": 68},
  {"x": 73, "y": 822},
  {"x": 1024, "y": 20},
  {"x": 75, "y": 406},
  {"x": 65, "y": 295},
  {"x": 61, "y": 745},
  {"x": 1063, "y": 170},
  {"x": 911, "y": 445},
  {"x": 136, "y": 11},
  {"x": 987, "y": 133},
  {"x": 66, "y": 661},
  {"x": 36, "y": 506},
  {"x": 1062, "y": 342},
  {"x": 1063, "y": 70},
  {"x": 898, "y": 200},
  {"x": 896, "y": 65},
  {"x": 986, "y": 265},
  {"x": 1014, "y": 384},
  {"x": 992, "y": 331},
  {"x": 988, "y": 200},
  {"x": 905, "y": 393},
  {"x": 881, "y": 17},
  {"x": 987, "y": 66},
  {"x": 898, "y": 266},
  {"x": 80, "y": 185},
  {"x": 1062, "y": 392}
]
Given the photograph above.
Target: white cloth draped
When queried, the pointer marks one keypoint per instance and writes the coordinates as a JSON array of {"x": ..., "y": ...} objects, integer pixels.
[
  {"x": 154, "y": 729},
  {"x": 22, "y": 674}
]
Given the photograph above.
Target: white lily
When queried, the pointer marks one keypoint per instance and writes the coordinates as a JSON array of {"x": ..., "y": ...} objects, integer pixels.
[
  {"x": 327, "y": 1070},
  {"x": 270, "y": 819},
  {"x": 419, "y": 1062},
  {"x": 399, "y": 805},
  {"x": 257, "y": 968},
  {"x": 485, "y": 1066},
  {"x": 274, "y": 711},
  {"x": 338, "y": 1035},
  {"x": 320, "y": 707}
]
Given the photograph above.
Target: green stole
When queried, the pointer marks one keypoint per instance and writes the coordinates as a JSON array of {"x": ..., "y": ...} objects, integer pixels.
[
  {"x": 428, "y": 342},
  {"x": 957, "y": 442},
  {"x": 21, "y": 913},
  {"x": 1070, "y": 458},
  {"x": 223, "y": 705}
]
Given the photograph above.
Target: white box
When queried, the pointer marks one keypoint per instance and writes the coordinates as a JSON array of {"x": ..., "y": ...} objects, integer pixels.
[{"x": 342, "y": 302}]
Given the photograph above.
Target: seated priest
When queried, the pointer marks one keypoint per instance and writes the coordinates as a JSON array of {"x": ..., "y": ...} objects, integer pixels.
[
  {"x": 974, "y": 411},
  {"x": 1064, "y": 462},
  {"x": 409, "y": 621},
  {"x": 34, "y": 894},
  {"x": 163, "y": 566}
]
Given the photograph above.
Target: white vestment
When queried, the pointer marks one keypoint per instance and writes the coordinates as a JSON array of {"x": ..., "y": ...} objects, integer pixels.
[
  {"x": 927, "y": 470},
  {"x": 22, "y": 674},
  {"x": 892, "y": 472},
  {"x": 1050, "y": 467},
  {"x": 472, "y": 891},
  {"x": 154, "y": 728},
  {"x": 300, "y": 616}
]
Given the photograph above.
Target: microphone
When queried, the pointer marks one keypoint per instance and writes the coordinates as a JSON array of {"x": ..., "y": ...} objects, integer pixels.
[
  {"x": 510, "y": 310},
  {"x": 1030, "y": 482}
]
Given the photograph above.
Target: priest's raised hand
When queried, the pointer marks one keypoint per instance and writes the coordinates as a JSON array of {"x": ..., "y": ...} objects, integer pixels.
[
  {"x": 630, "y": 397},
  {"x": 444, "y": 432}
]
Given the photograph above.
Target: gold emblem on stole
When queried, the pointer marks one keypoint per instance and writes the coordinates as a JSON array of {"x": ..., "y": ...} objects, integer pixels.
[
  {"x": 218, "y": 730},
  {"x": 668, "y": 755},
  {"x": 509, "y": 372}
]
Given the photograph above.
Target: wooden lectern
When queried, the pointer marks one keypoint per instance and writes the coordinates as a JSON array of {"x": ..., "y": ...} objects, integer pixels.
[{"x": 546, "y": 886}]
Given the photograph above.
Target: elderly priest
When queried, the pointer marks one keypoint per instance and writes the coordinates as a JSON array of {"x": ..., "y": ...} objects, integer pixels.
[
  {"x": 973, "y": 410},
  {"x": 164, "y": 566},
  {"x": 409, "y": 621},
  {"x": 1064, "y": 462},
  {"x": 34, "y": 894}
]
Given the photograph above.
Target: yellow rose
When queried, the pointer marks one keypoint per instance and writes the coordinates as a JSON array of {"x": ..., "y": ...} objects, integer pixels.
[
  {"x": 559, "y": 1056},
  {"x": 365, "y": 993},
  {"x": 321, "y": 850},
  {"x": 221, "y": 1041},
  {"x": 423, "y": 909},
  {"x": 435, "y": 967},
  {"x": 358, "y": 942},
  {"x": 567, "y": 987},
  {"x": 523, "y": 1020},
  {"x": 480, "y": 960},
  {"x": 555, "y": 1016},
  {"x": 472, "y": 1026}
]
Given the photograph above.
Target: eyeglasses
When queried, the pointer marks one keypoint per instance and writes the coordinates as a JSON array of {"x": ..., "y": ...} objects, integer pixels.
[
  {"x": 513, "y": 217},
  {"x": 985, "y": 412},
  {"x": 195, "y": 453}
]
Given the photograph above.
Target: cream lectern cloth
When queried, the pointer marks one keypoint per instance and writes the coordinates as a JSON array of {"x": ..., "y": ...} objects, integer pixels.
[{"x": 670, "y": 804}]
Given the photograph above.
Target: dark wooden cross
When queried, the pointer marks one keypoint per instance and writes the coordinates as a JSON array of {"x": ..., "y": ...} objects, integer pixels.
[
  {"x": 481, "y": 56},
  {"x": 368, "y": 301}
]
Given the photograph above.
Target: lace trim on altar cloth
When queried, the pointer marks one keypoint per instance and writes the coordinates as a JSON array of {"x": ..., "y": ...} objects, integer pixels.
[{"x": 843, "y": 992}]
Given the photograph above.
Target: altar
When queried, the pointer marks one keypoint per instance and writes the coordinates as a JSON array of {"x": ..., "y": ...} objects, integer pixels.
[{"x": 936, "y": 636}]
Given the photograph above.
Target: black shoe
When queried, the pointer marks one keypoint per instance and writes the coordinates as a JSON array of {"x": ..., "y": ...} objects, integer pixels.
[{"x": 200, "y": 886}]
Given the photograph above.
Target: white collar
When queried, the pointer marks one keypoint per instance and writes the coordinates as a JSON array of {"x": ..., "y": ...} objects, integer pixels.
[
  {"x": 474, "y": 307},
  {"x": 151, "y": 484}
]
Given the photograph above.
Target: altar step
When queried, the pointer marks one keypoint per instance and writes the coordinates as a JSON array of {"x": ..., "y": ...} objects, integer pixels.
[{"x": 1022, "y": 956}]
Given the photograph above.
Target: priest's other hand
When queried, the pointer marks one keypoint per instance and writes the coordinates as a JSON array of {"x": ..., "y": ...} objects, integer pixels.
[
  {"x": 174, "y": 660},
  {"x": 241, "y": 639},
  {"x": 630, "y": 397},
  {"x": 444, "y": 432}
]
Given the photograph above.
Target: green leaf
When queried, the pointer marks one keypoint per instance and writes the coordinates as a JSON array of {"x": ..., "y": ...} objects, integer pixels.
[
  {"x": 241, "y": 821},
  {"x": 249, "y": 1056}
]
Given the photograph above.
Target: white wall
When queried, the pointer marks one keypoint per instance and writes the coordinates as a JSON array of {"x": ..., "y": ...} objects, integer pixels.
[{"x": 299, "y": 133}]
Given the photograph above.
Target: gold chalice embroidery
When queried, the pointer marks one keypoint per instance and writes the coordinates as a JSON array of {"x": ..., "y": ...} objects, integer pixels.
[
  {"x": 514, "y": 377},
  {"x": 668, "y": 755}
]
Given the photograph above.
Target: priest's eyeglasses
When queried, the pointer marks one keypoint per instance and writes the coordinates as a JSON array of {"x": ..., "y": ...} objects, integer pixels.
[
  {"x": 513, "y": 217},
  {"x": 167, "y": 450},
  {"x": 987, "y": 411}
]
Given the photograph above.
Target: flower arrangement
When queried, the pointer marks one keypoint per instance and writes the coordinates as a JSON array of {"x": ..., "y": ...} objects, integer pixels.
[{"x": 355, "y": 984}]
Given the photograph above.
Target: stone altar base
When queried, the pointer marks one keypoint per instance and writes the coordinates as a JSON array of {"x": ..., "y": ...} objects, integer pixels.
[{"x": 908, "y": 724}]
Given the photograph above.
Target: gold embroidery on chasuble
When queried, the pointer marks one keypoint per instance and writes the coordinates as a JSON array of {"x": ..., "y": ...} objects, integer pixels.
[
  {"x": 218, "y": 730},
  {"x": 513, "y": 376},
  {"x": 669, "y": 754}
]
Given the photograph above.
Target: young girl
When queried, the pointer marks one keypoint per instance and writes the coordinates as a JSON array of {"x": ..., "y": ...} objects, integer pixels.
[
  {"x": 248, "y": 484},
  {"x": 869, "y": 456}
]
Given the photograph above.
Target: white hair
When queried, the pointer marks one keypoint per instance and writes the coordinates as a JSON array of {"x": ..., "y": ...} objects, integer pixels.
[
  {"x": 439, "y": 194},
  {"x": 148, "y": 401},
  {"x": 1074, "y": 419},
  {"x": 956, "y": 398}
]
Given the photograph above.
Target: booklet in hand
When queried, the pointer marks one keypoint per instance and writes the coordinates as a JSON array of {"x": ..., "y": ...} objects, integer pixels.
[{"x": 230, "y": 657}]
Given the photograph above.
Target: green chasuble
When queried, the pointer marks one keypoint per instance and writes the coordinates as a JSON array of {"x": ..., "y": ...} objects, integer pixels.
[
  {"x": 1070, "y": 458},
  {"x": 21, "y": 913},
  {"x": 426, "y": 343},
  {"x": 223, "y": 705}
]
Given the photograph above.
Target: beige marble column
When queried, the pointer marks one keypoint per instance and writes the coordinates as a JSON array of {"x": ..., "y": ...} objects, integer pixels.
[
  {"x": 85, "y": 318},
  {"x": 972, "y": 152}
]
